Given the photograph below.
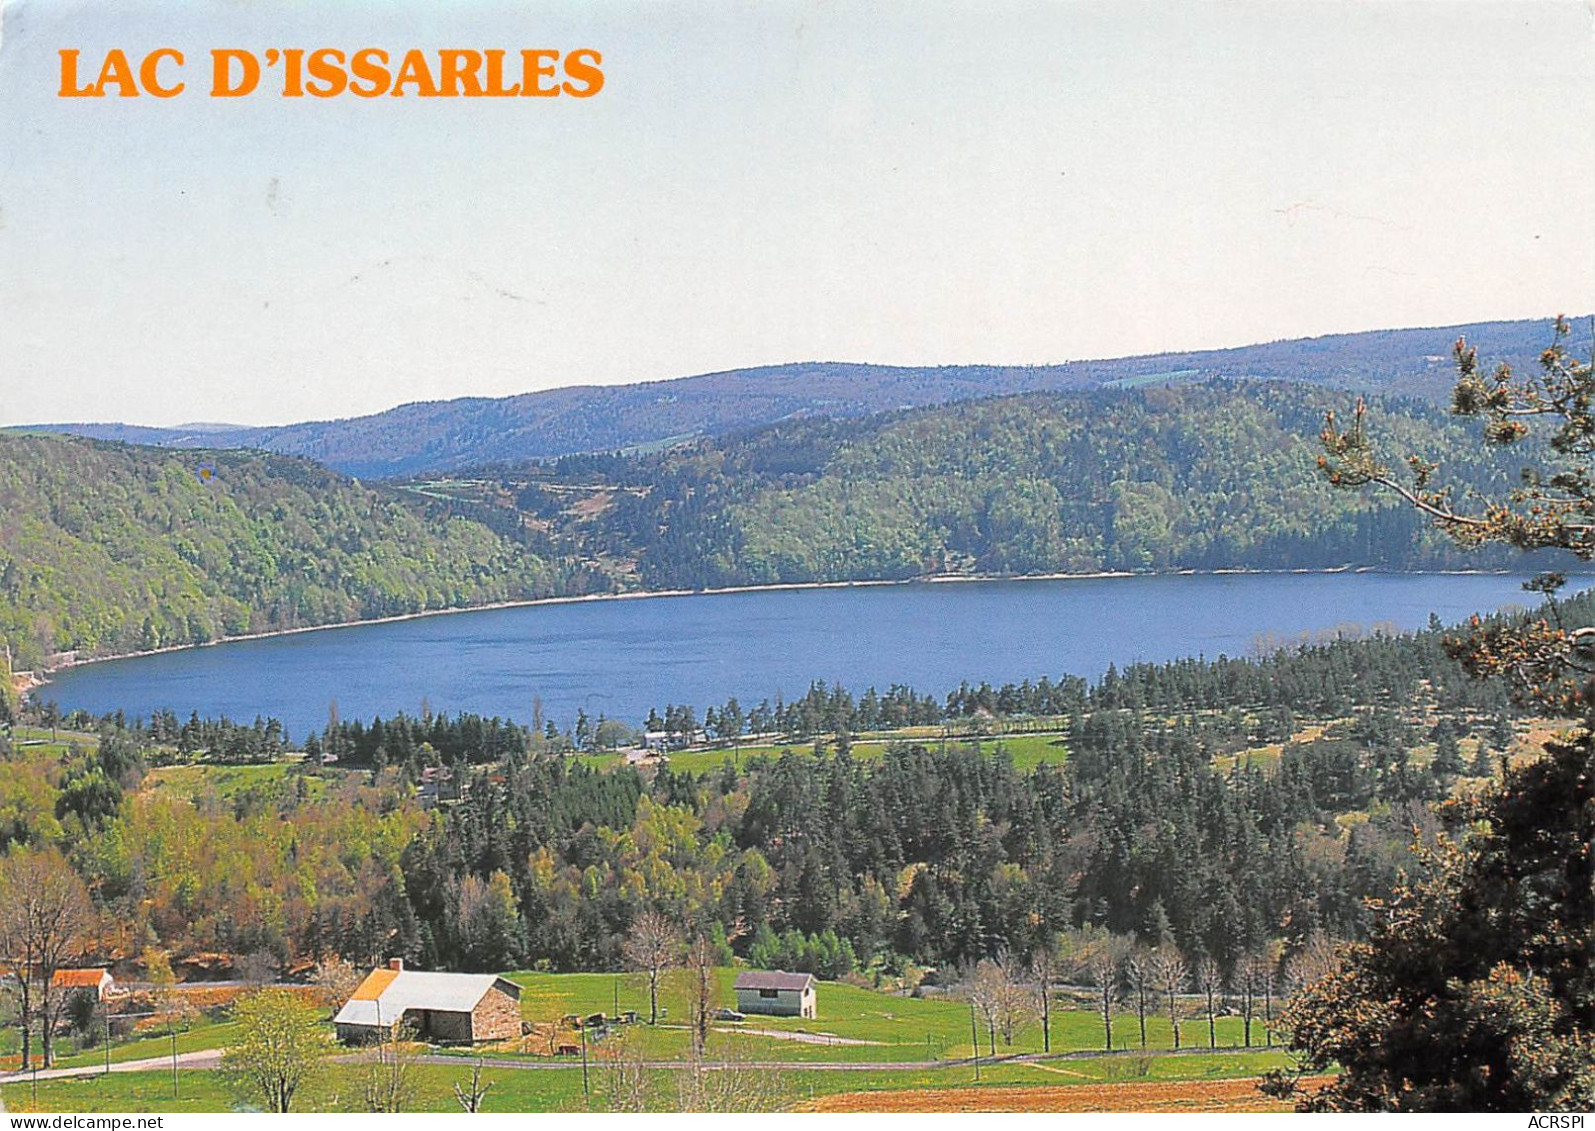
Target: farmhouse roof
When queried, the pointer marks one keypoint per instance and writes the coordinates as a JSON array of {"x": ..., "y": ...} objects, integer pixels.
[
  {"x": 386, "y": 994},
  {"x": 772, "y": 980},
  {"x": 79, "y": 979}
]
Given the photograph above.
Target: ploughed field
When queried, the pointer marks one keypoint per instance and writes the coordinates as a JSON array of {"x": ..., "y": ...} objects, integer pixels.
[{"x": 1239, "y": 1095}]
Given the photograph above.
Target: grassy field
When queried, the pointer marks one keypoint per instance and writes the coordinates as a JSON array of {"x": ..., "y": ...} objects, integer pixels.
[
  {"x": 1027, "y": 750},
  {"x": 211, "y": 1091},
  {"x": 560, "y": 1089},
  {"x": 894, "y": 1039},
  {"x": 43, "y": 741},
  {"x": 856, "y": 1025},
  {"x": 229, "y": 782},
  {"x": 199, "y": 1035},
  {"x": 875, "y": 1027}
]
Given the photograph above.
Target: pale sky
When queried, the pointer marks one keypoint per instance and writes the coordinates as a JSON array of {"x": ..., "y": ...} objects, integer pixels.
[{"x": 909, "y": 183}]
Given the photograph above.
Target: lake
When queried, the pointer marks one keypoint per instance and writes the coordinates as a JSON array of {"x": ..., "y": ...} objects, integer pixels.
[{"x": 620, "y": 658}]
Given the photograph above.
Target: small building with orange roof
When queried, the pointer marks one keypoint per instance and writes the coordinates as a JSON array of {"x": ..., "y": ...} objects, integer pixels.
[{"x": 95, "y": 980}]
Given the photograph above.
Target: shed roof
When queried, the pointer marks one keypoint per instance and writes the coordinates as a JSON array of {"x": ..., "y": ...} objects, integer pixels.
[
  {"x": 772, "y": 980},
  {"x": 79, "y": 978},
  {"x": 386, "y": 995}
]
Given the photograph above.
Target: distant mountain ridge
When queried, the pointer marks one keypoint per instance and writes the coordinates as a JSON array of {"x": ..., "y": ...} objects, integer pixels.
[{"x": 436, "y": 436}]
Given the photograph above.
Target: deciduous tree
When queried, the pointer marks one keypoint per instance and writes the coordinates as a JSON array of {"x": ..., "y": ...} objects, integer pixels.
[
  {"x": 735, "y": 1084},
  {"x": 624, "y": 1076},
  {"x": 335, "y": 980},
  {"x": 1043, "y": 973},
  {"x": 653, "y": 945},
  {"x": 1143, "y": 983},
  {"x": 1210, "y": 984},
  {"x": 390, "y": 1080},
  {"x": 280, "y": 1049},
  {"x": 1172, "y": 973},
  {"x": 471, "y": 1096},
  {"x": 44, "y": 912},
  {"x": 1100, "y": 956},
  {"x": 702, "y": 956}
]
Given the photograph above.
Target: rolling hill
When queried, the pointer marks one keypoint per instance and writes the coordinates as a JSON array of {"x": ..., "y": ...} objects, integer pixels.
[
  {"x": 1218, "y": 475},
  {"x": 111, "y": 548},
  {"x": 437, "y": 436}
]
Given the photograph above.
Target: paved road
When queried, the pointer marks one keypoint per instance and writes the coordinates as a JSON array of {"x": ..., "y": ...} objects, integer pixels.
[
  {"x": 205, "y": 1058},
  {"x": 801, "y": 1038},
  {"x": 566, "y": 1063}
]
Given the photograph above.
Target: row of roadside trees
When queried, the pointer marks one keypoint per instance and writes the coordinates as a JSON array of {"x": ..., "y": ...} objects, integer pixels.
[{"x": 1149, "y": 979}]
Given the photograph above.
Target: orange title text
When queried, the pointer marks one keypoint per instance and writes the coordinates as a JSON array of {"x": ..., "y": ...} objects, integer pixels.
[{"x": 330, "y": 72}]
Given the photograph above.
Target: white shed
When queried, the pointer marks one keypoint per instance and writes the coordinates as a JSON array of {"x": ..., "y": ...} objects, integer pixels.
[{"x": 776, "y": 992}]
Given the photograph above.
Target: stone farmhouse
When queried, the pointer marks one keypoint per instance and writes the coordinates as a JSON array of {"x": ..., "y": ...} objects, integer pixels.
[{"x": 438, "y": 1007}]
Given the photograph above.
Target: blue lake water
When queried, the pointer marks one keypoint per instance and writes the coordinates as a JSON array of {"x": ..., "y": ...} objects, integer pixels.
[{"x": 621, "y": 657}]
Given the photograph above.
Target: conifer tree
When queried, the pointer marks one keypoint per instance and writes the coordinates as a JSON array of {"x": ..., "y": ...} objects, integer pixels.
[{"x": 1475, "y": 991}]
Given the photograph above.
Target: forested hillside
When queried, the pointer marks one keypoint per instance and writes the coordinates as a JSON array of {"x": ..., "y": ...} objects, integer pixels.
[
  {"x": 109, "y": 548},
  {"x": 450, "y": 435},
  {"x": 1214, "y": 476}
]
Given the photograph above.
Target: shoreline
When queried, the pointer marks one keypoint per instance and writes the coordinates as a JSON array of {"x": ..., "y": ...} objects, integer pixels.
[{"x": 27, "y": 681}]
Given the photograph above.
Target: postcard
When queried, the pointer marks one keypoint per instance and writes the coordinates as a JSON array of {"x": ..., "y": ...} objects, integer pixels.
[{"x": 827, "y": 556}]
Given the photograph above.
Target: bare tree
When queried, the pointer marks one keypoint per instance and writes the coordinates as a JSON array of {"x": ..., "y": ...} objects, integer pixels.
[
  {"x": 1143, "y": 982},
  {"x": 998, "y": 992},
  {"x": 1210, "y": 982},
  {"x": 623, "y": 1075},
  {"x": 985, "y": 993},
  {"x": 1172, "y": 973},
  {"x": 390, "y": 1083},
  {"x": 336, "y": 980},
  {"x": 1099, "y": 955},
  {"x": 1013, "y": 996},
  {"x": 734, "y": 1084},
  {"x": 1249, "y": 977},
  {"x": 701, "y": 958},
  {"x": 471, "y": 1098},
  {"x": 258, "y": 968},
  {"x": 10, "y": 1014},
  {"x": 44, "y": 911},
  {"x": 1273, "y": 958},
  {"x": 1043, "y": 973},
  {"x": 653, "y": 945},
  {"x": 1314, "y": 962}
]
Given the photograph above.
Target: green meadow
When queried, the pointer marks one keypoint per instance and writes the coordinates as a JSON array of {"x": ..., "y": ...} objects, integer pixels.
[
  {"x": 560, "y": 1089},
  {"x": 1027, "y": 750},
  {"x": 855, "y": 1024}
]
